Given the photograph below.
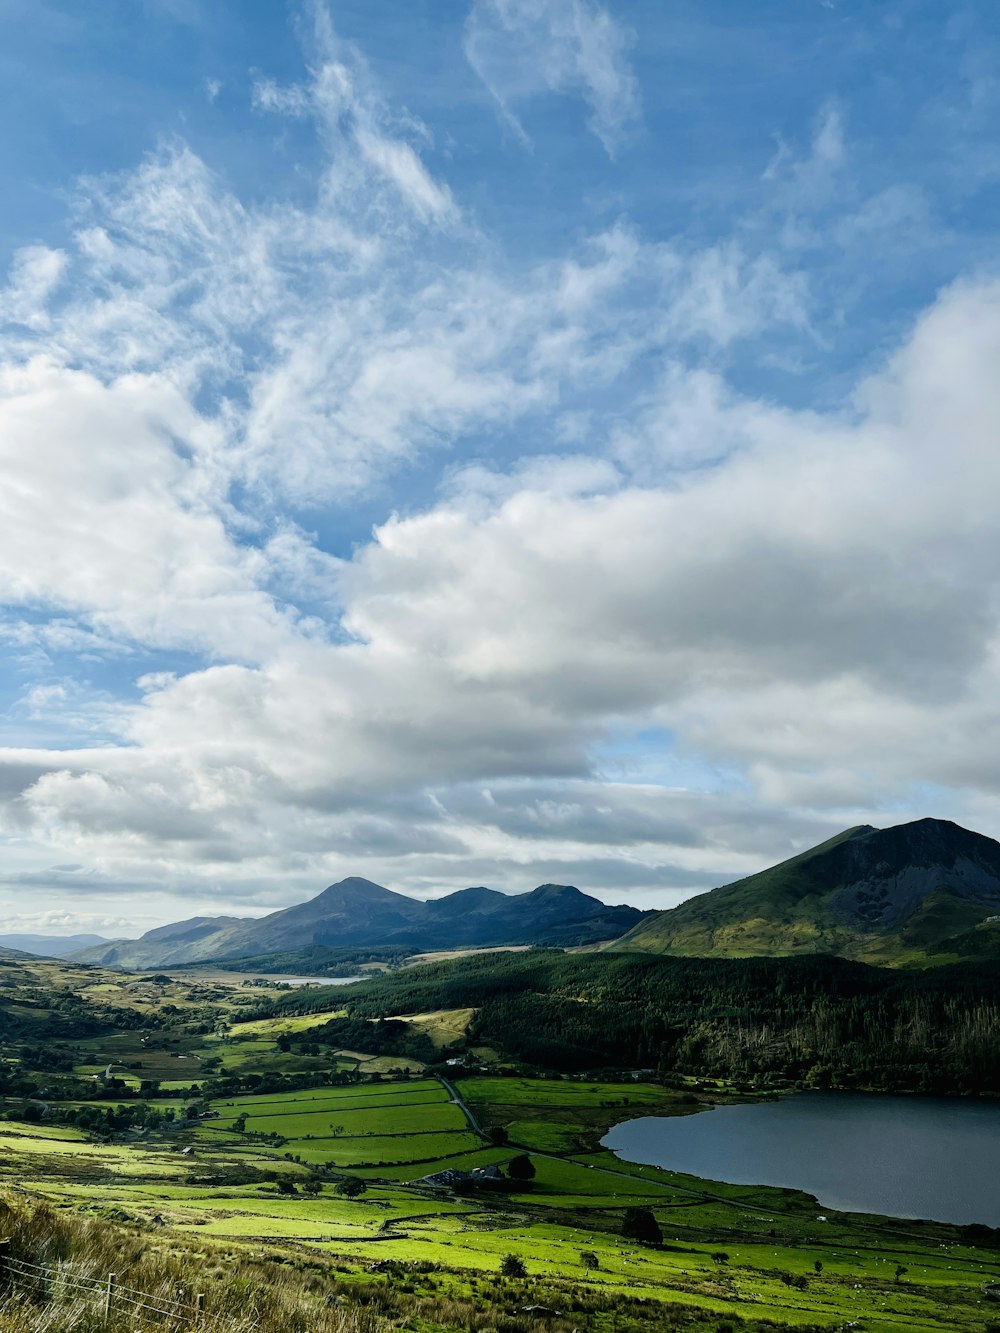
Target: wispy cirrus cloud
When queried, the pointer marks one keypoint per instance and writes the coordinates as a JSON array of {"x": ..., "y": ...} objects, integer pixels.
[{"x": 522, "y": 48}]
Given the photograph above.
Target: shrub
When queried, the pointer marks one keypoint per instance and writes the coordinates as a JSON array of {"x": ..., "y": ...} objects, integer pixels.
[
  {"x": 640, "y": 1224},
  {"x": 521, "y": 1168}
]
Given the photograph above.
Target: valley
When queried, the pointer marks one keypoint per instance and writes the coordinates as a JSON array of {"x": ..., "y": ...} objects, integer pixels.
[
  {"x": 415, "y": 1133},
  {"x": 226, "y": 1121}
]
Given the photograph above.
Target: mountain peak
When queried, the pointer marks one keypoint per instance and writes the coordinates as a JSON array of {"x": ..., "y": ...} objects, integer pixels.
[
  {"x": 352, "y": 886},
  {"x": 358, "y": 912},
  {"x": 881, "y": 894},
  {"x": 564, "y": 891}
]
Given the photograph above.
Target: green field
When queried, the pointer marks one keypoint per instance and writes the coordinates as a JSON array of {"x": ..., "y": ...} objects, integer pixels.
[
  {"x": 729, "y": 1253},
  {"x": 575, "y": 1203}
]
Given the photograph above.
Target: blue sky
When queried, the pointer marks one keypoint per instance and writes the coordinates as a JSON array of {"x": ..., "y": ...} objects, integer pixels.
[{"x": 489, "y": 442}]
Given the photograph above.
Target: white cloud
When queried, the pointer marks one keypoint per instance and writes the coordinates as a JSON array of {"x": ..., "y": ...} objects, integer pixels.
[
  {"x": 103, "y": 516},
  {"x": 820, "y": 599},
  {"x": 621, "y": 540},
  {"x": 343, "y": 99},
  {"x": 520, "y": 48},
  {"x": 35, "y": 274}
]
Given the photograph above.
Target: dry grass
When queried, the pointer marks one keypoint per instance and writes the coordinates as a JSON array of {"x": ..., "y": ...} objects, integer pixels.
[
  {"x": 56, "y": 1270},
  {"x": 57, "y": 1266}
]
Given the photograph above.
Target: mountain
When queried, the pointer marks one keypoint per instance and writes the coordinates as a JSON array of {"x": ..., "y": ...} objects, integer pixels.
[
  {"x": 14, "y": 955},
  {"x": 357, "y": 912},
  {"x": 917, "y": 893},
  {"x": 51, "y": 946}
]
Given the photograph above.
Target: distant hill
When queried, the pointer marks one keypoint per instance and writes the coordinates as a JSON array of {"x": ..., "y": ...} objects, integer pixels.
[
  {"x": 925, "y": 892},
  {"x": 14, "y": 955},
  {"x": 51, "y": 946},
  {"x": 357, "y": 912}
]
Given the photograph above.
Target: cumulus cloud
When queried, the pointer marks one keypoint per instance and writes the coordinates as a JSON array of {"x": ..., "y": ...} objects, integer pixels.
[
  {"x": 819, "y": 598},
  {"x": 622, "y": 539},
  {"x": 520, "y": 48}
]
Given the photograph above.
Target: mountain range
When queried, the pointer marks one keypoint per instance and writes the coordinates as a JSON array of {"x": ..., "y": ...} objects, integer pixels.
[
  {"x": 50, "y": 946},
  {"x": 357, "y": 912},
  {"x": 927, "y": 891}
]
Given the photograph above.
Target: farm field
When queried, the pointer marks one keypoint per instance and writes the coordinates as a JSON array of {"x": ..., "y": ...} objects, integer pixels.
[{"x": 328, "y": 1164}]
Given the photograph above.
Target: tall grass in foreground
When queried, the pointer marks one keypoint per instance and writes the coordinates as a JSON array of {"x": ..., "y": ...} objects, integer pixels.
[
  {"x": 56, "y": 1268},
  {"x": 278, "y": 1293}
]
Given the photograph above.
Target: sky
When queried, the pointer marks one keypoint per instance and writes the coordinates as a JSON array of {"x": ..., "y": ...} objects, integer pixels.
[{"x": 489, "y": 442}]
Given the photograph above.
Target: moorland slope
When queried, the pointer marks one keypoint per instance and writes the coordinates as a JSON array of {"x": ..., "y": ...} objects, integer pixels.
[{"x": 919, "y": 893}]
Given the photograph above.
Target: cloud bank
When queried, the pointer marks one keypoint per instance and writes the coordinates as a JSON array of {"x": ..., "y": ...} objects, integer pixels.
[{"x": 645, "y": 631}]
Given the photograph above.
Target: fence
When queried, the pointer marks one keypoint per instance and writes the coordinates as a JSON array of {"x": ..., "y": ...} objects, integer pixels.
[{"x": 61, "y": 1281}]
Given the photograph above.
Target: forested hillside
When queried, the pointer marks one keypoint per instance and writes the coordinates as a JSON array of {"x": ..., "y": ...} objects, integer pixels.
[{"x": 820, "y": 1021}]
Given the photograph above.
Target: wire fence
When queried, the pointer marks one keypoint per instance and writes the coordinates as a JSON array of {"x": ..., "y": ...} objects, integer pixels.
[{"x": 60, "y": 1280}]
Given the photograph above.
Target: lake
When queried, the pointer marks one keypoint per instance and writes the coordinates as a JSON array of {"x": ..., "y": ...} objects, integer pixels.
[
  {"x": 312, "y": 981},
  {"x": 902, "y": 1156}
]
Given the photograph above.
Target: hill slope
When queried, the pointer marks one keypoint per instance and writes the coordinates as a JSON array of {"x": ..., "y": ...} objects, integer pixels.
[
  {"x": 919, "y": 892},
  {"x": 358, "y": 912}
]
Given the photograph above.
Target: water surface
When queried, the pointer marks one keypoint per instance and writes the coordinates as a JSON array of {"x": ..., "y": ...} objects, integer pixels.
[
  {"x": 902, "y": 1156},
  {"x": 313, "y": 981}
]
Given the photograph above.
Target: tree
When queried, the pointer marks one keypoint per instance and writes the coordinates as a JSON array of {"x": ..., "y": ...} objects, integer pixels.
[
  {"x": 240, "y": 1123},
  {"x": 720, "y": 1257},
  {"x": 498, "y": 1135},
  {"x": 640, "y": 1224},
  {"x": 351, "y": 1187},
  {"x": 900, "y": 1270},
  {"x": 521, "y": 1168},
  {"x": 512, "y": 1266},
  {"x": 818, "y": 1266},
  {"x": 589, "y": 1260}
]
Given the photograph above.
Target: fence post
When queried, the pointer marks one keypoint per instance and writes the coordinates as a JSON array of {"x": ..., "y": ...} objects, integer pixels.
[
  {"x": 199, "y": 1302},
  {"x": 4, "y": 1252},
  {"x": 109, "y": 1298}
]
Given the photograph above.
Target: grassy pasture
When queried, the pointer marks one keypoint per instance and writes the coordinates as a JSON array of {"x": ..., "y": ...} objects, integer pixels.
[
  {"x": 273, "y": 1027},
  {"x": 411, "y": 1118},
  {"x": 443, "y": 1027},
  {"x": 232, "y": 1189},
  {"x": 574, "y": 1204},
  {"x": 388, "y": 1064},
  {"x": 549, "y": 1115},
  {"x": 558, "y": 1092},
  {"x": 394, "y": 1151},
  {"x": 346, "y": 1096}
]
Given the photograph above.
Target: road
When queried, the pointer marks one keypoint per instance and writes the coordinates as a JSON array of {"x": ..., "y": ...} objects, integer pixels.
[{"x": 452, "y": 1092}]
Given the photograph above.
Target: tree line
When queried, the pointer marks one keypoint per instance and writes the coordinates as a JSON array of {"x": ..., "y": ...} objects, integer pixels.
[{"x": 815, "y": 1021}]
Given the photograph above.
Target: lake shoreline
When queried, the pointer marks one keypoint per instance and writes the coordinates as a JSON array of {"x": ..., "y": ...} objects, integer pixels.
[{"x": 890, "y": 1155}]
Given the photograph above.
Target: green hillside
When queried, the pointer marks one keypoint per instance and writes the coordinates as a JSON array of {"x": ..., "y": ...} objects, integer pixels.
[{"x": 918, "y": 894}]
